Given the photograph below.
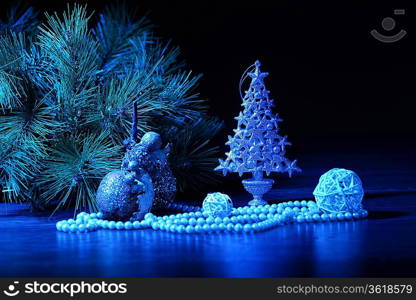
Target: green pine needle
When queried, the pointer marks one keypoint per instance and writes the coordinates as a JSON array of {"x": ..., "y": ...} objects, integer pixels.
[
  {"x": 192, "y": 157},
  {"x": 112, "y": 108},
  {"x": 71, "y": 55},
  {"x": 75, "y": 167},
  {"x": 18, "y": 165},
  {"x": 20, "y": 18},
  {"x": 116, "y": 26}
]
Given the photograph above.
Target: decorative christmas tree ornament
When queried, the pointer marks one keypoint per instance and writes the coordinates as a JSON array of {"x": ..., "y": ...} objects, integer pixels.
[
  {"x": 144, "y": 178},
  {"x": 217, "y": 205},
  {"x": 150, "y": 157},
  {"x": 256, "y": 146},
  {"x": 338, "y": 191},
  {"x": 122, "y": 194}
]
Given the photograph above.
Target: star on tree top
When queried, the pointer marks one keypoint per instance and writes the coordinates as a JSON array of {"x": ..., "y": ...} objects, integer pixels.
[{"x": 257, "y": 74}]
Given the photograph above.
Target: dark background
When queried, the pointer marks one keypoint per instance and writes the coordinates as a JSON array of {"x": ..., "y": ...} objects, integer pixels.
[{"x": 329, "y": 77}]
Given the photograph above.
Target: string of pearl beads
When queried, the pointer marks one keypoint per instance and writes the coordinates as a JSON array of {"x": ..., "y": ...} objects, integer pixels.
[{"x": 242, "y": 219}]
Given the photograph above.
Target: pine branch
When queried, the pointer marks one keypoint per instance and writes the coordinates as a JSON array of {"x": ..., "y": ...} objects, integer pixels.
[
  {"x": 72, "y": 59},
  {"x": 192, "y": 156},
  {"x": 18, "y": 165},
  {"x": 21, "y": 60},
  {"x": 75, "y": 167},
  {"x": 178, "y": 95},
  {"x": 112, "y": 108},
  {"x": 116, "y": 26},
  {"x": 20, "y": 18},
  {"x": 26, "y": 122},
  {"x": 12, "y": 49},
  {"x": 8, "y": 92},
  {"x": 25, "y": 134},
  {"x": 66, "y": 99}
]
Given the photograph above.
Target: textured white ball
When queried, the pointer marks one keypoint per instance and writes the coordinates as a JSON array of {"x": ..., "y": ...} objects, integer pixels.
[
  {"x": 339, "y": 190},
  {"x": 217, "y": 205}
]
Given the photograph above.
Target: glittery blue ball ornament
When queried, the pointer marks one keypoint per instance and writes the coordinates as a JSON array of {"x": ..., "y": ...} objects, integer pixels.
[
  {"x": 122, "y": 195},
  {"x": 339, "y": 190},
  {"x": 217, "y": 205}
]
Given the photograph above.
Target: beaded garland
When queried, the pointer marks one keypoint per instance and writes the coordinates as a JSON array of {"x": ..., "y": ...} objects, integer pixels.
[{"x": 243, "y": 219}]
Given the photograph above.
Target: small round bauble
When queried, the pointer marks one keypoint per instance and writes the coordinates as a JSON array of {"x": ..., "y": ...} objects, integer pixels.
[
  {"x": 217, "y": 205},
  {"x": 339, "y": 190},
  {"x": 117, "y": 196}
]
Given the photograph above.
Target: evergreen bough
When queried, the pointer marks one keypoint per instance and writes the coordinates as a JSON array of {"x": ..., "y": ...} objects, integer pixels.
[{"x": 66, "y": 98}]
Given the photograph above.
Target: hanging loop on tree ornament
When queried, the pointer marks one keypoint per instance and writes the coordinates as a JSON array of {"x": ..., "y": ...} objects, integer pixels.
[{"x": 244, "y": 77}]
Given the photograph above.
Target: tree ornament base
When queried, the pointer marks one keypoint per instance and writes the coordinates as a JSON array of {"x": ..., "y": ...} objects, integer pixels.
[{"x": 257, "y": 187}]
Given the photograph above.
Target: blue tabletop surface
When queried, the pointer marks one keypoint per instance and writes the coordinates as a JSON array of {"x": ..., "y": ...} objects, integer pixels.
[{"x": 382, "y": 245}]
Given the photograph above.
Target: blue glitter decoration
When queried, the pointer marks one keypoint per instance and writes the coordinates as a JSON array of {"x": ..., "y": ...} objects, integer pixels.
[
  {"x": 144, "y": 181},
  {"x": 217, "y": 205},
  {"x": 339, "y": 190},
  {"x": 149, "y": 156},
  {"x": 256, "y": 146},
  {"x": 123, "y": 195},
  {"x": 117, "y": 195}
]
